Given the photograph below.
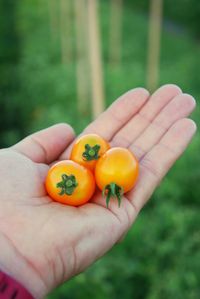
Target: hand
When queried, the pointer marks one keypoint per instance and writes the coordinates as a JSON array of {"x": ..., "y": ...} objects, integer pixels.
[{"x": 44, "y": 243}]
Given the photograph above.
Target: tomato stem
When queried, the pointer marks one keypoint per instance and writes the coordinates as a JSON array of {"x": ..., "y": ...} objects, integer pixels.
[
  {"x": 67, "y": 185},
  {"x": 113, "y": 190},
  {"x": 91, "y": 152}
]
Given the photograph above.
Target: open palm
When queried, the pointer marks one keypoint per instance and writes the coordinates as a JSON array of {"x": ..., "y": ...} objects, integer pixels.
[{"x": 44, "y": 243}]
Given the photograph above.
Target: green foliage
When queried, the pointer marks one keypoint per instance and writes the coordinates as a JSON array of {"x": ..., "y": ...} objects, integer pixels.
[
  {"x": 184, "y": 13},
  {"x": 9, "y": 57},
  {"x": 160, "y": 256}
]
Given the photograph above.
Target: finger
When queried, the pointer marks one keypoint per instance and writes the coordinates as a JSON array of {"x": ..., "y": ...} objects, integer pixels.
[
  {"x": 159, "y": 160},
  {"x": 46, "y": 145},
  {"x": 109, "y": 122},
  {"x": 116, "y": 116},
  {"x": 181, "y": 106},
  {"x": 145, "y": 116}
]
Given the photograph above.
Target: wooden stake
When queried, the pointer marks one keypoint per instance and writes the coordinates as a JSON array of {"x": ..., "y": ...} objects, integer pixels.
[
  {"x": 115, "y": 46},
  {"x": 155, "y": 26},
  {"x": 66, "y": 30},
  {"x": 82, "y": 55},
  {"x": 95, "y": 59}
]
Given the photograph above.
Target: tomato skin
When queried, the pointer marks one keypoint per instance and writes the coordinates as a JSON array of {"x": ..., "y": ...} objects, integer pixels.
[
  {"x": 79, "y": 148},
  {"x": 118, "y": 165},
  {"x": 84, "y": 178}
]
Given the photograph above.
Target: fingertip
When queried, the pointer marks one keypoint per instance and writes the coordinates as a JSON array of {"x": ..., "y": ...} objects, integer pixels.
[
  {"x": 133, "y": 94},
  {"x": 167, "y": 91},
  {"x": 184, "y": 126},
  {"x": 172, "y": 87},
  {"x": 140, "y": 90},
  {"x": 191, "y": 125},
  {"x": 66, "y": 128},
  {"x": 190, "y": 99},
  {"x": 45, "y": 146},
  {"x": 128, "y": 104}
]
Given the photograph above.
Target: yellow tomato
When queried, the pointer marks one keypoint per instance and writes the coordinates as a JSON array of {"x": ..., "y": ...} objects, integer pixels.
[
  {"x": 70, "y": 183},
  {"x": 88, "y": 149},
  {"x": 116, "y": 172}
]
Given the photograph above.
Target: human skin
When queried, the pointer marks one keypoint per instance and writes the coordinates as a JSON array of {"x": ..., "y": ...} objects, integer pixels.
[{"x": 44, "y": 243}]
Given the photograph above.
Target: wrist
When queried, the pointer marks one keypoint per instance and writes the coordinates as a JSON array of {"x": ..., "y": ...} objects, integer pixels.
[
  {"x": 10, "y": 288},
  {"x": 13, "y": 264}
]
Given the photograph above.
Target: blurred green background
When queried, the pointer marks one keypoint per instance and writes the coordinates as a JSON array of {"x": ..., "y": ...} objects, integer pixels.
[{"x": 160, "y": 256}]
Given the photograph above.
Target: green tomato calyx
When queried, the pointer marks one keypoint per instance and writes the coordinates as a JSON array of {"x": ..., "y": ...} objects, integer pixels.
[
  {"x": 113, "y": 190},
  {"x": 91, "y": 152},
  {"x": 67, "y": 185}
]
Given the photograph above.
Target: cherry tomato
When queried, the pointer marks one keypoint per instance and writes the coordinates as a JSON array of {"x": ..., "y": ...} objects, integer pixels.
[
  {"x": 116, "y": 172},
  {"x": 88, "y": 149},
  {"x": 70, "y": 183}
]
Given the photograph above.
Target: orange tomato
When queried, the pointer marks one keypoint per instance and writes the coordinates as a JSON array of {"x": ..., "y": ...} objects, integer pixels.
[
  {"x": 70, "y": 183},
  {"x": 116, "y": 172},
  {"x": 88, "y": 149}
]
